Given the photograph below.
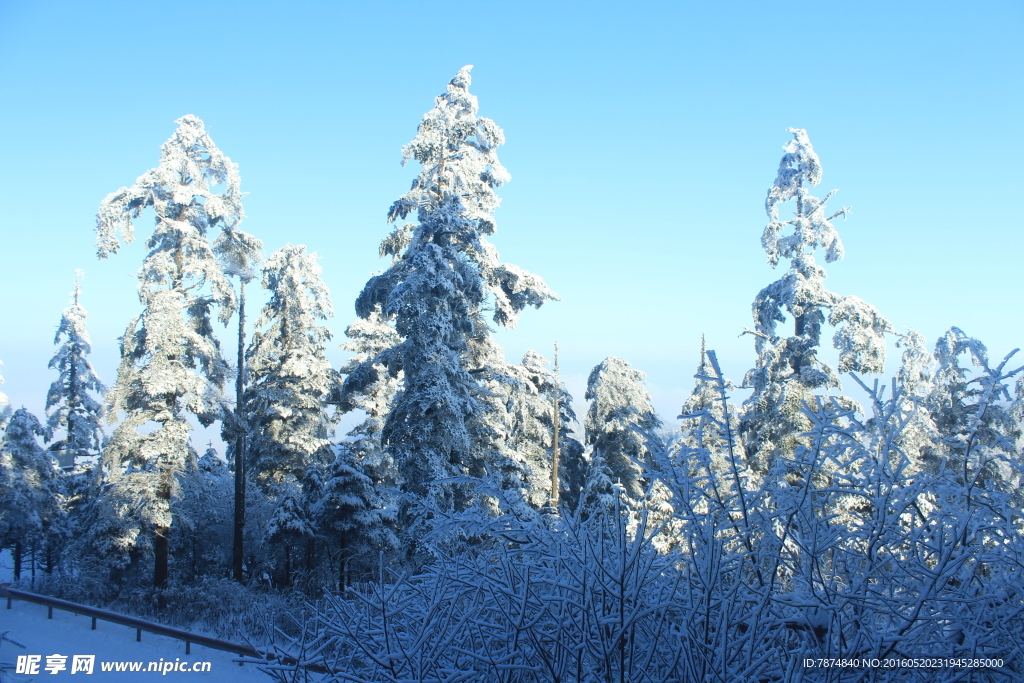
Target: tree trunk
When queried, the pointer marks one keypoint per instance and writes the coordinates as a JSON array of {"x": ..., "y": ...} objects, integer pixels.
[
  {"x": 160, "y": 554},
  {"x": 343, "y": 562},
  {"x": 17, "y": 560},
  {"x": 287, "y": 565},
  {"x": 160, "y": 543},
  {"x": 238, "y": 542}
]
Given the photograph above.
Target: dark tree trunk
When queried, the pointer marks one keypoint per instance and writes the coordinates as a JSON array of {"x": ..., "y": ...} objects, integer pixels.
[
  {"x": 343, "y": 562},
  {"x": 238, "y": 542},
  {"x": 287, "y": 566},
  {"x": 160, "y": 554},
  {"x": 160, "y": 543},
  {"x": 17, "y": 560}
]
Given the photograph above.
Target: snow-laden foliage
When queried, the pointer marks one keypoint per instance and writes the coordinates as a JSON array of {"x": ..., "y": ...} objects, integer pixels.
[
  {"x": 170, "y": 361},
  {"x": 181, "y": 190},
  {"x": 788, "y": 371},
  {"x": 29, "y": 487},
  {"x": 838, "y": 554},
  {"x": 71, "y": 407},
  {"x": 851, "y": 559},
  {"x": 290, "y": 521},
  {"x": 168, "y": 369},
  {"x": 703, "y": 412},
  {"x": 974, "y": 415},
  {"x": 202, "y": 538},
  {"x": 358, "y": 511},
  {"x": 618, "y": 401},
  {"x": 567, "y": 602},
  {"x": 355, "y": 514},
  {"x": 919, "y": 438},
  {"x": 442, "y": 273},
  {"x": 531, "y": 396},
  {"x": 290, "y": 424}
]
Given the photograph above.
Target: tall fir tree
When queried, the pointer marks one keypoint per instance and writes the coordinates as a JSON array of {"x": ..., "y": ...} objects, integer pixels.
[
  {"x": 443, "y": 272},
  {"x": 618, "y": 401},
  {"x": 239, "y": 254},
  {"x": 290, "y": 424},
  {"x": 788, "y": 369},
  {"x": 171, "y": 363},
  {"x": 357, "y": 510},
  {"x": 72, "y": 409}
]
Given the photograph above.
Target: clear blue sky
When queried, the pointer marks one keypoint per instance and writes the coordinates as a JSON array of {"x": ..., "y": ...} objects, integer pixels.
[{"x": 642, "y": 137}]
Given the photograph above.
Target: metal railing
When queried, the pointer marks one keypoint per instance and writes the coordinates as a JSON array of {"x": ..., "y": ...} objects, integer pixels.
[{"x": 141, "y": 625}]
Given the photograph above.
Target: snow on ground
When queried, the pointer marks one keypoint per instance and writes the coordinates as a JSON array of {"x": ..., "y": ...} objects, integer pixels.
[{"x": 67, "y": 634}]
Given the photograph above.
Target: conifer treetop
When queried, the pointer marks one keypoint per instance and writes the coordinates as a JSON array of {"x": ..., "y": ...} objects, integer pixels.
[
  {"x": 74, "y": 409},
  {"x": 458, "y": 151},
  {"x": 181, "y": 191},
  {"x": 798, "y": 170},
  {"x": 454, "y": 198}
]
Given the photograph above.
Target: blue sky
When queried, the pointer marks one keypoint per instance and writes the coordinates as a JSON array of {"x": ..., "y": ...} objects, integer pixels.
[{"x": 641, "y": 139}]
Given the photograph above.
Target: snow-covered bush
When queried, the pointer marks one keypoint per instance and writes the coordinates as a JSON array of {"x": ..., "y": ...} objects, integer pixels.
[{"x": 837, "y": 553}]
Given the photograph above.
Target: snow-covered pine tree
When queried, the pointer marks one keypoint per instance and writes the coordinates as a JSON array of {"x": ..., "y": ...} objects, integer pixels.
[
  {"x": 170, "y": 361},
  {"x": 704, "y": 419},
  {"x": 354, "y": 513},
  {"x": 443, "y": 271},
  {"x": 289, "y": 527},
  {"x": 788, "y": 369},
  {"x": 72, "y": 409},
  {"x": 202, "y": 537},
  {"x": 357, "y": 510},
  {"x": 529, "y": 396},
  {"x": 974, "y": 416},
  {"x": 29, "y": 487},
  {"x": 618, "y": 400},
  {"x": 373, "y": 376},
  {"x": 915, "y": 383},
  {"x": 290, "y": 427},
  {"x": 239, "y": 253}
]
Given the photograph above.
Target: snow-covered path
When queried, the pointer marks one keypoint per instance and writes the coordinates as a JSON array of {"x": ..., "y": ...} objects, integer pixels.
[{"x": 67, "y": 634}]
